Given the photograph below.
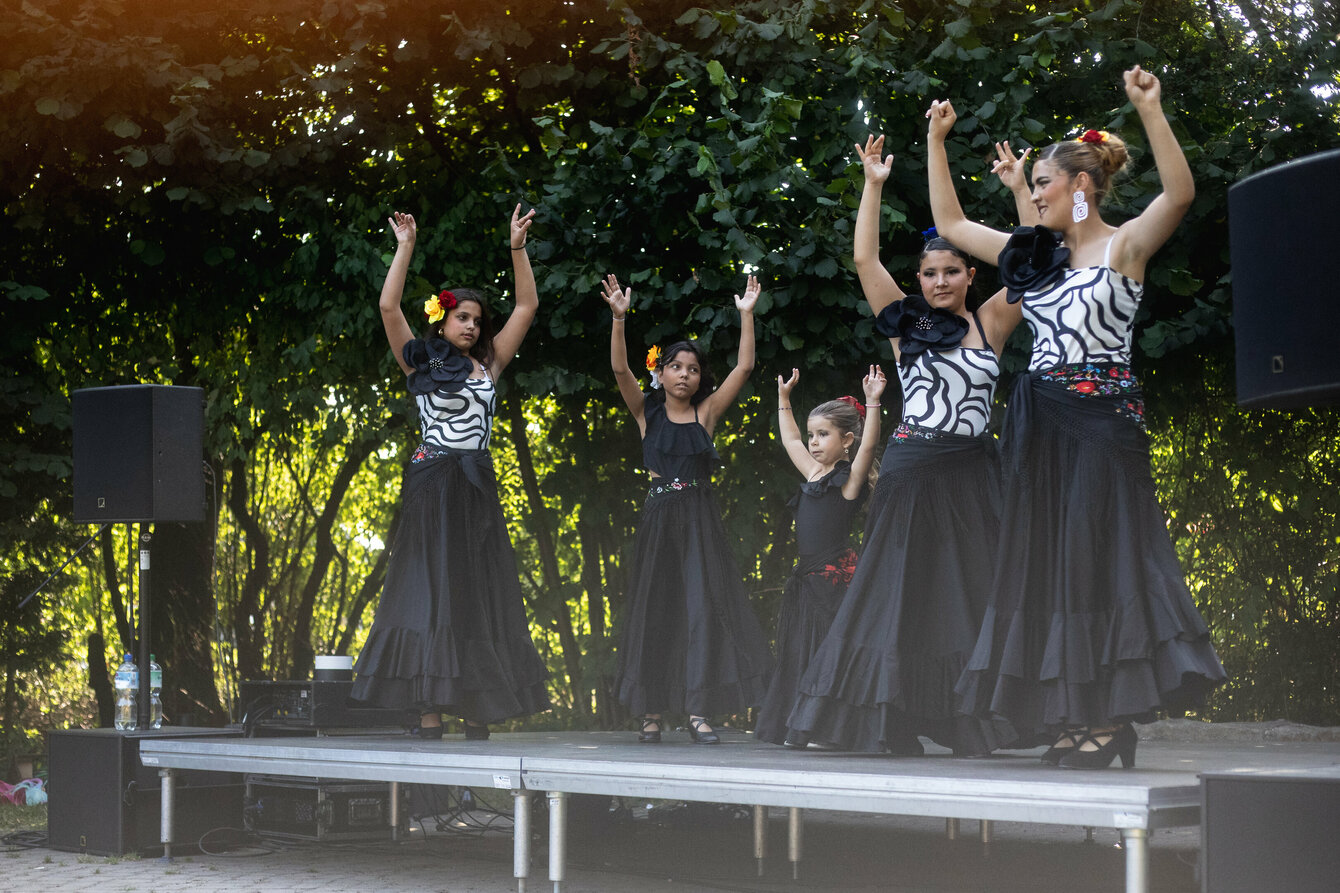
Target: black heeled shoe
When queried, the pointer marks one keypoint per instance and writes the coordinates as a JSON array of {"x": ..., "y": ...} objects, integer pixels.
[
  {"x": 476, "y": 732},
  {"x": 1060, "y": 748},
  {"x": 429, "y": 733},
  {"x": 1119, "y": 742},
  {"x": 650, "y": 735},
  {"x": 696, "y": 724}
]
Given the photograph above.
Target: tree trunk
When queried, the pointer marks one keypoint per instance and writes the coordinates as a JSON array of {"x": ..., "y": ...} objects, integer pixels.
[
  {"x": 250, "y": 638},
  {"x": 182, "y": 614},
  {"x": 100, "y": 681}
]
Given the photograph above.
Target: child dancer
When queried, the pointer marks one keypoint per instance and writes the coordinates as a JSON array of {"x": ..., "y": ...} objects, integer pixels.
[
  {"x": 837, "y": 465},
  {"x": 690, "y": 641}
]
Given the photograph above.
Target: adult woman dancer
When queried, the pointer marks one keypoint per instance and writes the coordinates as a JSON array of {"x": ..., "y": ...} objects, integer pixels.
[
  {"x": 1091, "y": 625},
  {"x": 690, "y": 641},
  {"x": 838, "y": 464},
  {"x": 450, "y": 632},
  {"x": 886, "y": 672}
]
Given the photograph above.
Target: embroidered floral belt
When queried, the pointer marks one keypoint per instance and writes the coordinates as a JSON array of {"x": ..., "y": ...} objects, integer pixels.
[
  {"x": 674, "y": 485},
  {"x": 1102, "y": 380},
  {"x": 428, "y": 451},
  {"x": 908, "y": 431}
]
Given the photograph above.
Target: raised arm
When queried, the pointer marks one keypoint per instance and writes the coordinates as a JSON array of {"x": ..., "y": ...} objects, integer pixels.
[
  {"x": 873, "y": 385},
  {"x": 792, "y": 439},
  {"x": 879, "y": 287},
  {"x": 1138, "y": 239},
  {"x": 619, "y": 301},
  {"x": 711, "y": 409},
  {"x": 1010, "y": 170},
  {"x": 398, "y": 332},
  {"x": 508, "y": 341},
  {"x": 978, "y": 240}
]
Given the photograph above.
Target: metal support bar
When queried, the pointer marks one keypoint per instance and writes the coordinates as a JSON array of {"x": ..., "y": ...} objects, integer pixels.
[
  {"x": 1136, "y": 842},
  {"x": 760, "y": 837},
  {"x": 520, "y": 838},
  {"x": 795, "y": 832},
  {"x": 167, "y": 807},
  {"x": 984, "y": 829},
  {"x": 395, "y": 810},
  {"x": 142, "y": 707},
  {"x": 951, "y": 829},
  {"x": 558, "y": 837}
]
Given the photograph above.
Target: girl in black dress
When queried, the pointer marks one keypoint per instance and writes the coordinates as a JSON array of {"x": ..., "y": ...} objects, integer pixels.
[
  {"x": 450, "y": 632},
  {"x": 837, "y": 461},
  {"x": 690, "y": 641}
]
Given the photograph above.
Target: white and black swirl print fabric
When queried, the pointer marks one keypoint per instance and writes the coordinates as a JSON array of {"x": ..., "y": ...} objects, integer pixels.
[
  {"x": 462, "y": 420},
  {"x": 1085, "y": 318},
  {"x": 950, "y": 390}
]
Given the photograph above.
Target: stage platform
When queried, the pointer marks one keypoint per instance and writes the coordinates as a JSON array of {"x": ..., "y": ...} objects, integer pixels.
[{"x": 1164, "y": 791}]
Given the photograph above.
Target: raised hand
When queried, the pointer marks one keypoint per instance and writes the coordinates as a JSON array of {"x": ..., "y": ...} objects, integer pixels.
[
  {"x": 942, "y": 116},
  {"x": 751, "y": 292},
  {"x": 1010, "y": 168},
  {"x": 1142, "y": 88},
  {"x": 404, "y": 227},
  {"x": 617, "y": 298},
  {"x": 521, "y": 226},
  {"x": 784, "y": 386},
  {"x": 873, "y": 385},
  {"x": 876, "y": 171}
]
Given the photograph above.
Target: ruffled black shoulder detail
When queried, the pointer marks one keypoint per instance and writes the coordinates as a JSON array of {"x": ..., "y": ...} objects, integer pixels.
[
  {"x": 1032, "y": 260},
  {"x": 438, "y": 365},
  {"x": 920, "y": 327},
  {"x": 837, "y": 478}
]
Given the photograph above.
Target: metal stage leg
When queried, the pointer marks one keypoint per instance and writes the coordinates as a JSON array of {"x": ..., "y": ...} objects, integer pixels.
[
  {"x": 951, "y": 829},
  {"x": 167, "y": 801},
  {"x": 794, "y": 833},
  {"x": 558, "y": 837},
  {"x": 520, "y": 838},
  {"x": 760, "y": 837},
  {"x": 1136, "y": 842},
  {"x": 984, "y": 829},
  {"x": 395, "y": 810}
]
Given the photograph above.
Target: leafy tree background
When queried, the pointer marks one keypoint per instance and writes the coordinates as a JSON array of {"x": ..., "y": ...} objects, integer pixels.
[{"x": 197, "y": 196}]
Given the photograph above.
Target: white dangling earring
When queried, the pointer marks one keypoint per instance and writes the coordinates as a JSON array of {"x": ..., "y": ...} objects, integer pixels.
[{"x": 1081, "y": 209}]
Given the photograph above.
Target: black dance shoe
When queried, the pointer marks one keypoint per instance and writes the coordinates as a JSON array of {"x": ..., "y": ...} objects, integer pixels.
[
  {"x": 904, "y": 744},
  {"x": 1119, "y": 742},
  {"x": 651, "y": 731},
  {"x": 696, "y": 724},
  {"x": 476, "y": 732},
  {"x": 428, "y": 733},
  {"x": 1065, "y": 744}
]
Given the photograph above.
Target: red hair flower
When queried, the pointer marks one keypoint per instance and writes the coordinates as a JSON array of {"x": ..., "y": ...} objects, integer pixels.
[
  {"x": 860, "y": 407},
  {"x": 1093, "y": 136}
]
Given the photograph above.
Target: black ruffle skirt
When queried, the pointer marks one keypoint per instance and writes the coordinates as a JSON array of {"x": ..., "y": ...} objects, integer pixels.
[
  {"x": 691, "y": 642},
  {"x": 1091, "y": 622},
  {"x": 450, "y": 632},
  {"x": 907, "y": 625}
]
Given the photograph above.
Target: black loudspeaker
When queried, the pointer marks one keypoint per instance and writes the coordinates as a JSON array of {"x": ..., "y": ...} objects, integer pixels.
[
  {"x": 1286, "y": 309},
  {"x": 139, "y": 453},
  {"x": 101, "y": 801},
  {"x": 1270, "y": 830}
]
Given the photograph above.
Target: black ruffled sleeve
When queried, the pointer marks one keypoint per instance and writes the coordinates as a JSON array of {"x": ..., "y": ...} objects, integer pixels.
[
  {"x": 437, "y": 364},
  {"x": 1032, "y": 260},
  {"x": 920, "y": 327}
]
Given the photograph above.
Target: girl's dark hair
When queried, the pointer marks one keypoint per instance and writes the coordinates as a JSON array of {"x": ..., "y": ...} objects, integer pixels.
[
  {"x": 938, "y": 243},
  {"x": 483, "y": 347},
  {"x": 847, "y": 418},
  {"x": 1100, "y": 160},
  {"x": 706, "y": 382}
]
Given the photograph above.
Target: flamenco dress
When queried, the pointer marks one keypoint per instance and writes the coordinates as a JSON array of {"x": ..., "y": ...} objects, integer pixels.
[
  {"x": 813, "y": 592},
  {"x": 1090, "y": 621},
  {"x": 690, "y": 640},
  {"x": 450, "y": 633},
  {"x": 886, "y": 671}
]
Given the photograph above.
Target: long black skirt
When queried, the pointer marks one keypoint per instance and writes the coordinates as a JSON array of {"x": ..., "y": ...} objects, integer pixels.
[
  {"x": 450, "y": 632},
  {"x": 907, "y": 625},
  {"x": 810, "y": 601},
  {"x": 691, "y": 642},
  {"x": 1090, "y": 622}
]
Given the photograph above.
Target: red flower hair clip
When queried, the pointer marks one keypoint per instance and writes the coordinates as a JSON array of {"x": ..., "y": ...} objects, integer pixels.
[
  {"x": 860, "y": 407},
  {"x": 1093, "y": 136},
  {"x": 436, "y": 308}
]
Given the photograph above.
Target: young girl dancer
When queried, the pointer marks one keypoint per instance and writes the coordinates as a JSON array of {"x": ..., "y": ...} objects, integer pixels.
[
  {"x": 450, "y": 632},
  {"x": 690, "y": 641},
  {"x": 1090, "y": 625},
  {"x": 837, "y": 464},
  {"x": 885, "y": 674}
]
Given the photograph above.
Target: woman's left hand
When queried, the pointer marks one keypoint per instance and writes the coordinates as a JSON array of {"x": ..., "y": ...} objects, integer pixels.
[
  {"x": 521, "y": 226},
  {"x": 751, "y": 291},
  {"x": 1142, "y": 88},
  {"x": 873, "y": 383},
  {"x": 1010, "y": 168}
]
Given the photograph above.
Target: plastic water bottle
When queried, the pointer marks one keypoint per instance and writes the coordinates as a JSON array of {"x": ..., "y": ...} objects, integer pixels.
[
  {"x": 127, "y": 695},
  {"x": 155, "y": 694}
]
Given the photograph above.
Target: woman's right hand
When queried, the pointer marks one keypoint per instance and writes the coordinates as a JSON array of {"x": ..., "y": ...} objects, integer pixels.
[
  {"x": 876, "y": 170},
  {"x": 404, "y": 228},
  {"x": 784, "y": 386},
  {"x": 617, "y": 298},
  {"x": 942, "y": 117},
  {"x": 1010, "y": 168}
]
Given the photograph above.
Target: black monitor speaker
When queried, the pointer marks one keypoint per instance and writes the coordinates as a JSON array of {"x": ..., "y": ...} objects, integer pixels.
[
  {"x": 139, "y": 454},
  {"x": 1282, "y": 230}
]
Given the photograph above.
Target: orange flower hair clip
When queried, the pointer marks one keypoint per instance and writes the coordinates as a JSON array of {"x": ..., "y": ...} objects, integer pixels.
[
  {"x": 436, "y": 307},
  {"x": 654, "y": 357},
  {"x": 1093, "y": 136}
]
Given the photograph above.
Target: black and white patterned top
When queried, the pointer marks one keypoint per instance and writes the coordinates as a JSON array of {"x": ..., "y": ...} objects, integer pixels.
[
  {"x": 950, "y": 390},
  {"x": 462, "y": 419},
  {"x": 1084, "y": 318}
]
